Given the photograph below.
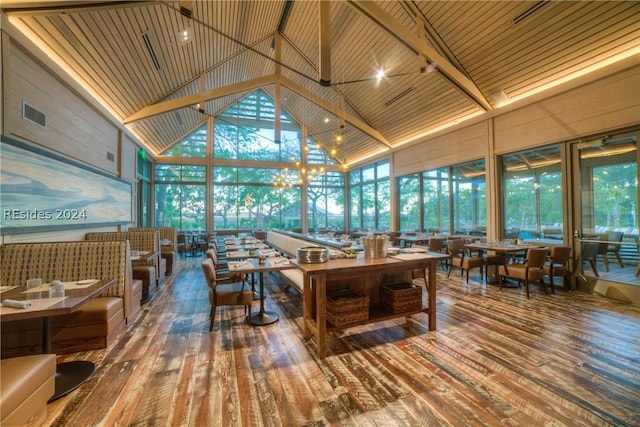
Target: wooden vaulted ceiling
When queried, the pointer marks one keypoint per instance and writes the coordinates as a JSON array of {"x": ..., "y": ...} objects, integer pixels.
[{"x": 445, "y": 61}]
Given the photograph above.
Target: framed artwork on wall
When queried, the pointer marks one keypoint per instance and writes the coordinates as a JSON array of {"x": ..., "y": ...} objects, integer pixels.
[{"x": 43, "y": 191}]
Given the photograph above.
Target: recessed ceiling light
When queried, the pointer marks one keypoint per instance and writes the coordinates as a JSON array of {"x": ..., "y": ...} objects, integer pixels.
[
  {"x": 380, "y": 74},
  {"x": 326, "y": 120},
  {"x": 185, "y": 35}
]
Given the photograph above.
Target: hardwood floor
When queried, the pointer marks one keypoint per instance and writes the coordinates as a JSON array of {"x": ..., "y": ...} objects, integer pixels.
[{"x": 496, "y": 358}]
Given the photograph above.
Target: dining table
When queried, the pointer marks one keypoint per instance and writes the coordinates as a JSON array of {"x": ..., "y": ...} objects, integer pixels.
[
  {"x": 69, "y": 375},
  {"x": 256, "y": 265},
  {"x": 509, "y": 250}
]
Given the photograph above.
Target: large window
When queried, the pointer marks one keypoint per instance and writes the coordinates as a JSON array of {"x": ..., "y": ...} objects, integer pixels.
[
  {"x": 468, "y": 191},
  {"x": 193, "y": 145},
  {"x": 445, "y": 200},
  {"x": 435, "y": 199},
  {"x": 180, "y": 196},
  {"x": 258, "y": 174},
  {"x": 608, "y": 182},
  {"x": 325, "y": 194},
  {"x": 370, "y": 197},
  {"x": 246, "y": 131},
  {"x": 245, "y": 198},
  {"x": 533, "y": 193},
  {"x": 409, "y": 202},
  {"x": 143, "y": 176}
]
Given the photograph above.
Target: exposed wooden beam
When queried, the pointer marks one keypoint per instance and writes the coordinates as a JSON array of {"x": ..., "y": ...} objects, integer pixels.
[
  {"x": 43, "y": 8},
  {"x": 405, "y": 36},
  {"x": 353, "y": 121},
  {"x": 195, "y": 99}
]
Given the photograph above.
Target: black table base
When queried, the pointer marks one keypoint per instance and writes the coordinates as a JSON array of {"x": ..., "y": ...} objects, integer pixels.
[
  {"x": 264, "y": 318},
  {"x": 69, "y": 376}
]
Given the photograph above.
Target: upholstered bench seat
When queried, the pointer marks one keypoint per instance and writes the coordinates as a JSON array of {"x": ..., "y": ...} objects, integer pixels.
[
  {"x": 26, "y": 384},
  {"x": 96, "y": 322},
  {"x": 147, "y": 275},
  {"x": 294, "y": 278},
  {"x": 170, "y": 260},
  {"x": 98, "y": 314}
]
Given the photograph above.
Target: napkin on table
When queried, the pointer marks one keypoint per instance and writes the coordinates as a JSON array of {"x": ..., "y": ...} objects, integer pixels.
[{"x": 16, "y": 304}]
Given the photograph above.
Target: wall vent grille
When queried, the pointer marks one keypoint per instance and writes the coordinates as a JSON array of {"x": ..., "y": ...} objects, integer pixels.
[{"x": 33, "y": 115}]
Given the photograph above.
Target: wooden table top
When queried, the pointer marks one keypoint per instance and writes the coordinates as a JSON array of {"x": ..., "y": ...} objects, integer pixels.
[
  {"x": 75, "y": 296},
  {"x": 360, "y": 263}
]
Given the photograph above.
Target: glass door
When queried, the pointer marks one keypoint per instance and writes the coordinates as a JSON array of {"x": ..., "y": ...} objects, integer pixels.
[{"x": 607, "y": 179}]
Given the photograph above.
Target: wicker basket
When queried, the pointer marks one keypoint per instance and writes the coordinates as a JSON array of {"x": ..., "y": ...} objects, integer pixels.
[
  {"x": 347, "y": 307},
  {"x": 402, "y": 297}
]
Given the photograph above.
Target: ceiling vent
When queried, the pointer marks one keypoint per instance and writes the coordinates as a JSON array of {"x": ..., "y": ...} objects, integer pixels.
[
  {"x": 179, "y": 119},
  {"x": 399, "y": 96},
  {"x": 186, "y": 9},
  {"x": 530, "y": 11},
  {"x": 147, "y": 41},
  {"x": 33, "y": 115}
]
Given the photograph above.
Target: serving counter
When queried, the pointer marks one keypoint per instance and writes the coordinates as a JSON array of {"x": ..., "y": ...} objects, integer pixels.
[{"x": 365, "y": 276}]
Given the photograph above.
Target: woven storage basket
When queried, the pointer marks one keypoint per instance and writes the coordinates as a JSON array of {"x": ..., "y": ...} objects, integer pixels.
[
  {"x": 347, "y": 307},
  {"x": 402, "y": 297}
]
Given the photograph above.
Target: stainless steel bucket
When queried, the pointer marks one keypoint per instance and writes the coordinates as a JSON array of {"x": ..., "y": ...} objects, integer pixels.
[{"x": 375, "y": 247}]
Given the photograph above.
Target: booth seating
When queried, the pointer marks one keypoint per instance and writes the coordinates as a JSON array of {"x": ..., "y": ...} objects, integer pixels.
[
  {"x": 288, "y": 246},
  {"x": 98, "y": 321},
  {"x": 26, "y": 384},
  {"x": 168, "y": 252},
  {"x": 149, "y": 272}
]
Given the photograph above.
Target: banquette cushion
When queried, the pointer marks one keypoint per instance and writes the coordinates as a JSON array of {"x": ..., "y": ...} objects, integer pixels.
[{"x": 26, "y": 384}]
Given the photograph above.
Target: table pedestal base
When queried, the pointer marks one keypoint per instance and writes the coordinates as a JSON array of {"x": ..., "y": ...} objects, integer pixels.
[
  {"x": 264, "y": 318},
  {"x": 69, "y": 376}
]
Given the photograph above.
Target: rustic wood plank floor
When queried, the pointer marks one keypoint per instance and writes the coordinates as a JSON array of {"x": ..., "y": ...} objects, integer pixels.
[{"x": 568, "y": 359}]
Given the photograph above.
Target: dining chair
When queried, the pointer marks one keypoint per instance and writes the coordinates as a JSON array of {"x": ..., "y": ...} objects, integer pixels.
[
  {"x": 181, "y": 243},
  {"x": 530, "y": 271},
  {"x": 556, "y": 265},
  {"x": 437, "y": 244},
  {"x": 462, "y": 259},
  {"x": 614, "y": 236},
  {"x": 589, "y": 254},
  {"x": 223, "y": 293}
]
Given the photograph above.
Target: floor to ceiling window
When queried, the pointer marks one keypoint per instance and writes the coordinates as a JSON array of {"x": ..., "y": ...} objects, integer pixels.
[
  {"x": 444, "y": 200},
  {"x": 468, "y": 195},
  {"x": 143, "y": 175},
  {"x": 608, "y": 189},
  {"x": 370, "y": 197},
  {"x": 532, "y": 193},
  {"x": 180, "y": 192},
  {"x": 410, "y": 202},
  {"x": 258, "y": 174}
]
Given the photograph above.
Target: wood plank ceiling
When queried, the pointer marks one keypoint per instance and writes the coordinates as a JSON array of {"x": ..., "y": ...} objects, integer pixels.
[{"x": 445, "y": 61}]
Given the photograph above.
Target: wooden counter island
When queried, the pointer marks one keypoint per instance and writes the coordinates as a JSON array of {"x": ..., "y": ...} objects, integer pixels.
[{"x": 366, "y": 276}]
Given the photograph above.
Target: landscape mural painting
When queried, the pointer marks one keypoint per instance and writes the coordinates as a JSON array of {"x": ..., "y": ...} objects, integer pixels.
[{"x": 42, "y": 191}]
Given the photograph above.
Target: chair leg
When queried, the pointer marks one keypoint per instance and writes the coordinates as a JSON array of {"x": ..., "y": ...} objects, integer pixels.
[
  {"x": 619, "y": 260},
  {"x": 526, "y": 287},
  {"x": 605, "y": 258},
  {"x": 593, "y": 267},
  {"x": 544, "y": 286}
]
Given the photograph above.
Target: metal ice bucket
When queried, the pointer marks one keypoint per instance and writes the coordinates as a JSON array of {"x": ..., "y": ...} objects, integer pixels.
[{"x": 375, "y": 247}]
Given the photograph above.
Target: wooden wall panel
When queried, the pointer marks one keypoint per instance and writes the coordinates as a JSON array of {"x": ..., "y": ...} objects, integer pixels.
[
  {"x": 467, "y": 144},
  {"x": 74, "y": 128},
  {"x": 606, "y": 104},
  {"x": 129, "y": 153}
]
